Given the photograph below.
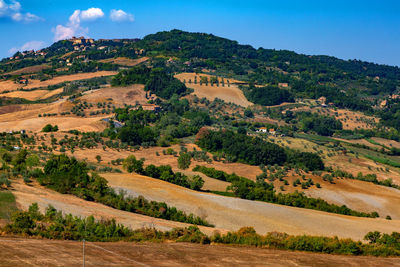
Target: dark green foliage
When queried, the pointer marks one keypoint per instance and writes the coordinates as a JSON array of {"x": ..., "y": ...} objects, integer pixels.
[
  {"x": 156, "y": 80},
  {"x": 163, "y": 172},
  {"x": 254, "y": 150},
  {"x": 137, "y": 74},
  {"x": 184, "y": 161},
  {"x": 268, "y": 96},
  {"x": 54, "y": 225},
  {"x": 69, "y": 176},
  {"x": 239, "y": 147},
  {"x": 321, "y": 125},
  {"x": 50, "y": 128},
  {"x": 305, "y": 160}
]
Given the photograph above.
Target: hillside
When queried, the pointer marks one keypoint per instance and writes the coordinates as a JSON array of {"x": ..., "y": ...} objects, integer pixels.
[{"x": 182, "y": 129}]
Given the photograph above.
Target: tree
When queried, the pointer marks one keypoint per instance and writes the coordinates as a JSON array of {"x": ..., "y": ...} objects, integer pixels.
[
  {"x": 32, "y": 160},
  {"x": 131, "y": 164},
  {"x": 248, "y": 113},
  {"x": 196, "y": 183},
  {"x": 50, "y": 128},
  {"x": 184, "y": 161},
  {"x": 98, "y": 158},
  {"x": 372, "y": 237}
]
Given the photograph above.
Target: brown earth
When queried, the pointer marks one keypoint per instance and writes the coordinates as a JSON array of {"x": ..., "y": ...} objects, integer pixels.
[
  {"x": 9, "y": 86},
  {"x": 228, "y": 94},
  {"x": 25, "y": 117},
  {"x": 360, "y": 142},
  {"x": 27, "y": 70},
  {"x": 34, "y": 252},
  {"x": 125, "y": 61},
  {"x": 33, "y": 95},
  {"x": 350, "y": 119},
  {"x": 233, "y": 213},
  {"x": 68, "y": 78},
  {"x": 387, "y": 142},
  {"x": 129, "y": 95},
  {"x": 26, "y": 195},
  {"x": 355, "y": 194}
]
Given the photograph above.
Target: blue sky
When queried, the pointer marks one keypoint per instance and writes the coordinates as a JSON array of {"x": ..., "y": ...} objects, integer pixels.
[{"x": 367, "y": 30}]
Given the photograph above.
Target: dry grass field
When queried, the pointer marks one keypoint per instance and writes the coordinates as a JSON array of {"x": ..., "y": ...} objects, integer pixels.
[
  {"x": 350, "y": 119},
  {"x": 33, "y": 95},
  {"x": 26, "y": 195},
  {"x": 129, "y": 95},
  {"x": 68, "y": 78},
  {"x": 125, "y": 61},
  {"x": 232, "y": 213},
  {"x": 17, "y": 252},
  {"x": 28, "y": 70},
  {"x": 25, "y": 117},
  {"x": 229, "y": 94},
  {"x": 12, "y": 86}
]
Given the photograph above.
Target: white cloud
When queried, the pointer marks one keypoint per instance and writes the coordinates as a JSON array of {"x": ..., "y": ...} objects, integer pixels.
[
  {"x": 13, "y": 10},
  {"x": 73, "y": 27},
  {"x": 92, "y": 13},
  {"x": 32, "y": 45},
  {"x": 120, "y": 15}
]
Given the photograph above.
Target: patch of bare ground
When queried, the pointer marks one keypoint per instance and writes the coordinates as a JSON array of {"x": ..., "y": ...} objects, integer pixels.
[
  {"x": 387, "y": 142},
  {"x": 26, "y": 195},
  {"x": 365, "y": 166},
  {"x": 18, "y": 117},
  {"x": 9, "y": 85},
  {"x": 355, "y": 194},
  {"x": 360, "y": 142},
  {"x": 68, "y": 78},
  {"x": 125, "y": 61},
  {"x": 12, "y": 86},
  {"x": 28, "y": 70},
  {"x": 229, "y": 94},
  {"x": 350, "y": 119},
  {"x": 233, "y": 213},
  {"x": 33, "y": 95},
  {"x": 34, "y": 252},
  {"x": 129, "y": 95}
]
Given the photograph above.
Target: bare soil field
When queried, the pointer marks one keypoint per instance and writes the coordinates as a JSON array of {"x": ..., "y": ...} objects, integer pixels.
[
  {"x": 68, "y": 78},
  {"x": 345, "y": 162},
  {"x": 350, "y": 119},
  {"x": 355, "y": 194},
  {"x": 9, "y": 86},
  {"x": 25, "y": 117},
  {"x": 35, "y": 252},
  {"x": 120, "y": 95},
  {"x": 33, "y": 95},
  {"x": 229, "y": 94},
  {"x": 386, "y": 142},
  {"x": 28, "y": 70},
  {"x": 360, "y": 142},
  {"x": 365, "y": 166},
  {"x": 26, "y": 195},
  {"x": 125, "y": 61},
  {"x": 234, "y": 213}
]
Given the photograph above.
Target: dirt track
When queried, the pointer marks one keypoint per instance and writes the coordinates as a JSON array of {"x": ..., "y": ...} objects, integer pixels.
[{"x": 30, "y": 252}]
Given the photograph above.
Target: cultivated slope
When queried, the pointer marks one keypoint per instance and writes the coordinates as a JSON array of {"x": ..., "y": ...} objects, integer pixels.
[{"x": 234, "y": 213}]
